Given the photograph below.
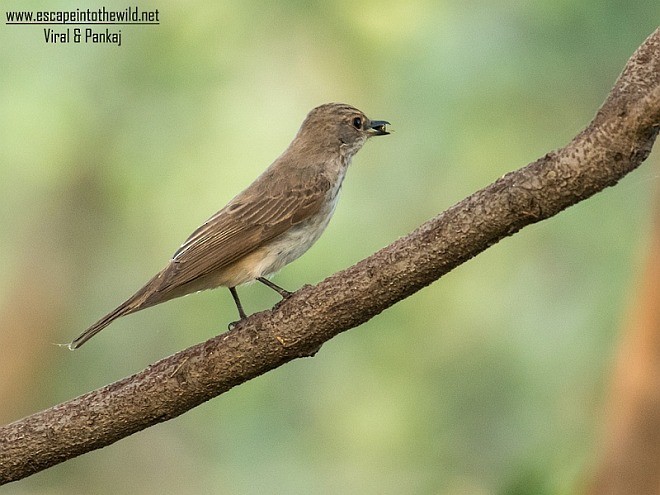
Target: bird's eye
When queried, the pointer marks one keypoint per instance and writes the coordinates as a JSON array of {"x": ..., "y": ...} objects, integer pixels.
[{"x": 357, "y": 122}]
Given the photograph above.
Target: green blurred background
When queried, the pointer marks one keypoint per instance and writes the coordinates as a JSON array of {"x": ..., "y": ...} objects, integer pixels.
[{"x": 491, "y": 381}]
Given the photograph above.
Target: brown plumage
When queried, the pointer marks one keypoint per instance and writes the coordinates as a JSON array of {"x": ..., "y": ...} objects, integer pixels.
[{"x": 271, "y": 223}]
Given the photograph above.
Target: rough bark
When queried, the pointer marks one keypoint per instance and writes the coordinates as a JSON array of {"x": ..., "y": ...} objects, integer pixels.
[{"x": 617, "y": 141}]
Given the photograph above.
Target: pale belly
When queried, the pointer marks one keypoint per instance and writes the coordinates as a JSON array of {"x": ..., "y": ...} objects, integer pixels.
[
  {"x": 279, "y": 252},
  {"x": 270, "y": 258}
]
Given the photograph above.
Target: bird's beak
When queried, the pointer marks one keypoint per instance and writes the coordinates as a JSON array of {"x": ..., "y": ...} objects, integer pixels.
[{"x": 378, "y": 127}]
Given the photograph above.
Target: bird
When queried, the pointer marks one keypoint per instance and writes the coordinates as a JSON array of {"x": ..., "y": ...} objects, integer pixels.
[{"x": 271, "y": 223}]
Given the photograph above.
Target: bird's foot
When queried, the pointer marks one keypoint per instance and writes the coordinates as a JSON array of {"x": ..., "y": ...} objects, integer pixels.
[
  {"x": 233, "y": 324},
  {"x": 285, "y": 293}
]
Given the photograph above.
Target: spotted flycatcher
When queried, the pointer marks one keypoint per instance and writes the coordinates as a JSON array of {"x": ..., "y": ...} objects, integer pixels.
[{"x": 268, "y": 225}]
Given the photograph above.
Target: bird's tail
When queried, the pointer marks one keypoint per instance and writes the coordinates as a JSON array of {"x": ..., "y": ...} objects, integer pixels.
[
  {"x": 139, "y": 300},
  {"x": 122, "y": 310}
]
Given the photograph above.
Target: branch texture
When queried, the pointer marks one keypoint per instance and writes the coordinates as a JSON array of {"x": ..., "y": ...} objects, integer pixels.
[{"x": 617, "y": 141}]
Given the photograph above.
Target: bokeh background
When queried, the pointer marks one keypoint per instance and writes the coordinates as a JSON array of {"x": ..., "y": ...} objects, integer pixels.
[{"x": 491, "y": 381}]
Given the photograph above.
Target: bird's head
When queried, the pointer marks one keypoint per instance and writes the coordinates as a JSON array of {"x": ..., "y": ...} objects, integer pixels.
[{"x": 340, "y": 126}]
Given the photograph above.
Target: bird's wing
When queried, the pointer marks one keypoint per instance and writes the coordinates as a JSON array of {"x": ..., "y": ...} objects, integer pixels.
[{"x": 245, "y": 224}]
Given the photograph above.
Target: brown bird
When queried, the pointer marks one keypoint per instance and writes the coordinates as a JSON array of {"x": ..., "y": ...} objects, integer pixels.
[{"x": 268, "y": 225}]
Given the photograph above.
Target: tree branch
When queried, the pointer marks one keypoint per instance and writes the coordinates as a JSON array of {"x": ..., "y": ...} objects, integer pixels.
[{"x": 618, "y": 139}]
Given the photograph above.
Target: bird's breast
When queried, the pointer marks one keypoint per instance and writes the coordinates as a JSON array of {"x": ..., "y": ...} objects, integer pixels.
[
  {"x": 299, "y": 238},
  {"x": 293, "y": 243}
]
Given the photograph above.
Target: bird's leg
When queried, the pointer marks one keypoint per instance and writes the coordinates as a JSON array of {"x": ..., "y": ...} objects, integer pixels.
[
  {"x": 282, "y": 292},
  {"x": 239, "y": 306}
]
